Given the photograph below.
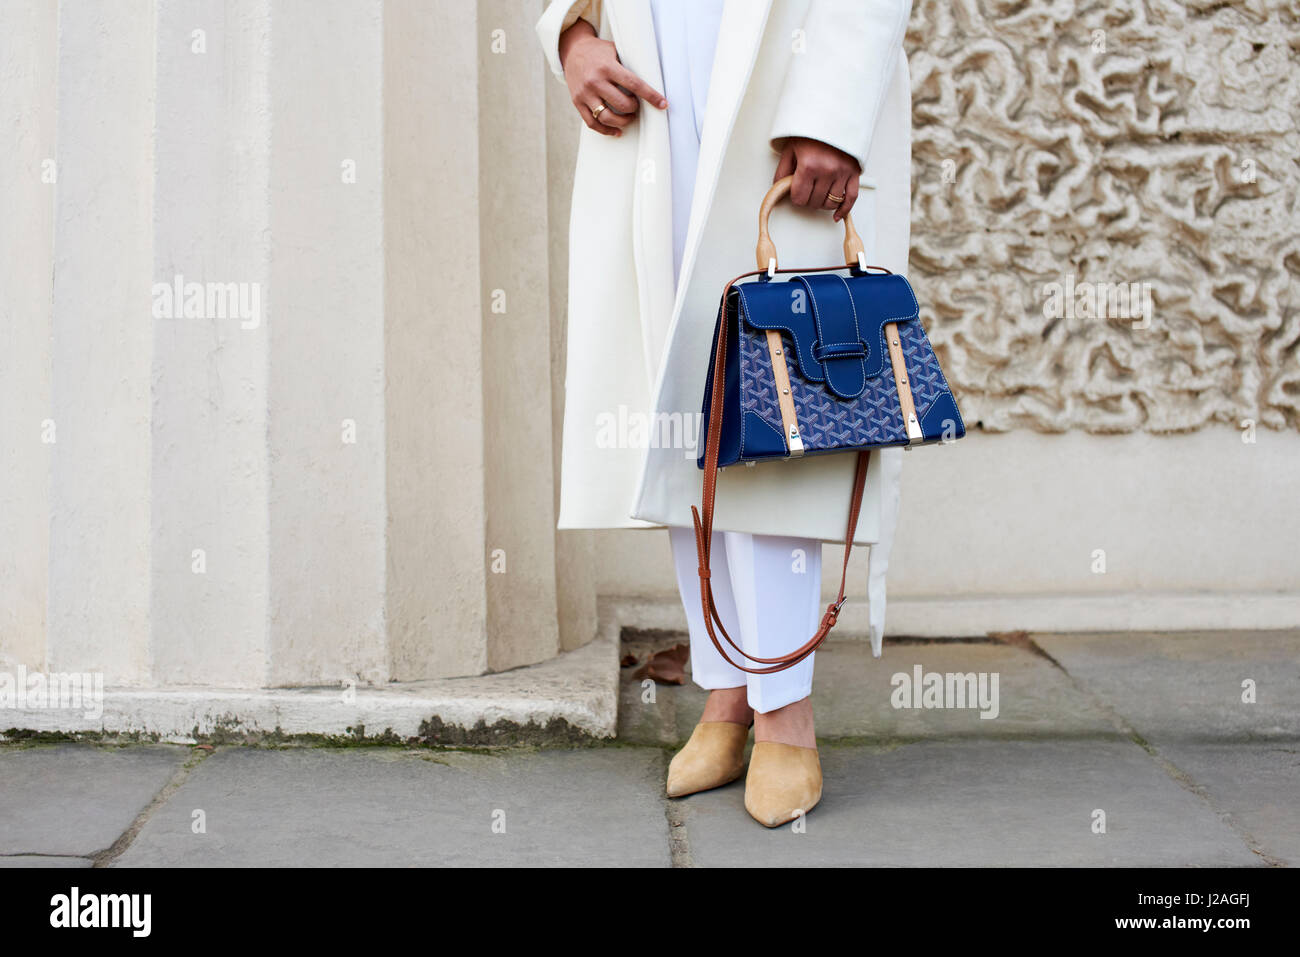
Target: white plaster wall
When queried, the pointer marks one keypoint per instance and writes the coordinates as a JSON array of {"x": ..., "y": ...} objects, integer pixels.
[
  {"x": 102, "y": 344},
  {"x": 1000, "y": 532},
  {"x": 27, "y": 105},
  {"x": 1025, "y": 513}
]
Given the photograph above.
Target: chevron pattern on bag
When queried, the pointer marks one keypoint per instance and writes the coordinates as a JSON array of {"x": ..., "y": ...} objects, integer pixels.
[
  {"x": 923, "y": 370},
  {"x": 827, "y": 423},
  {"x": 757, "y": 382}
]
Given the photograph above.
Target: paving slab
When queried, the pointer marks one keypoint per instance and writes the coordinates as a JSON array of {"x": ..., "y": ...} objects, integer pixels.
[
  {"x": 77, "y": 799},
  {"x": 37, "y": 860},
  {"x": 1257, "y": 785},
  {"x": 975, "y": 803},
  {"x": 854, "y": 696},
  {"x": 1183, "y": 694},
  {"x": 391, "y": 807},
  {"x": 1188, "y": 686}
]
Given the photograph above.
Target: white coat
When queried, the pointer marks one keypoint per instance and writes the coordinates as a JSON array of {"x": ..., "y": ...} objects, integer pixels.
[{"x": 638, "y": 344}]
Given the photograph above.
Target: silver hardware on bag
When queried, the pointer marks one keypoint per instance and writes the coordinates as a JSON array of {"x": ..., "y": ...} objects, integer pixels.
[
  {"x": 914, "y": 428},
  {"x": 796, "y": 442}
]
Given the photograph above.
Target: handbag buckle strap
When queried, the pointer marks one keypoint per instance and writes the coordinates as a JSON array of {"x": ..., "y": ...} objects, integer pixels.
[{"x": 839, "y": 350}]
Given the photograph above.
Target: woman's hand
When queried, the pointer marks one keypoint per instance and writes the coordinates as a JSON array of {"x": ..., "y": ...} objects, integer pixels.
[
  {"x": 595, "y": 77},
  {"x": 824, "y": 177}
]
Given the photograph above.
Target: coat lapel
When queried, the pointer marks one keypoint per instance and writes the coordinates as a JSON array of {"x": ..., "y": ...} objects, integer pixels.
[
  {"x": 739, "y": 37},
  {"x": 632, "y": 30}
]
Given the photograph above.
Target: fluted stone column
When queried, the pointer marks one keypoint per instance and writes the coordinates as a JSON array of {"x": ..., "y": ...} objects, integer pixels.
[
  {"x": 434, "y": 358},
  {"x": 339, "y": 464},
  {"x": 327, "y": 412},
  {"x": 474, "y": 385},
  {"x": 210, "y": 547}
]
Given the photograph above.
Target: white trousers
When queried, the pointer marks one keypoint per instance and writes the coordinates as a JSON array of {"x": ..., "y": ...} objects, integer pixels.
[{"x": 767, "y": 590}]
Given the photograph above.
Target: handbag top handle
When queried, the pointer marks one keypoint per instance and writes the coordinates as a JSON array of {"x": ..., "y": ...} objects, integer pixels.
[{"x": 765, "y": 252}]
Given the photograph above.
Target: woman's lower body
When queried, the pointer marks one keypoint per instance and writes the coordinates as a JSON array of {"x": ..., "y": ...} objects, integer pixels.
[{"x": 767, "y": 590}]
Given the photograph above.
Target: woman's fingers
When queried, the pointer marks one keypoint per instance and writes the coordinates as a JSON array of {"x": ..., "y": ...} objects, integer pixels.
[
  {"x": 810, "y": 187},
  {"x": 609, "y": 106},
  {"x": 824, "y": 177},
  {"x": 839, "y": 190},
  {"x": 620, "y": 109},
  {"x": 590, "y": 119},
  {"x": 821, "y": 190},
  {"x": 629, "y": 81},
  {"x": 801, "y": 188},
  {"x": 785, "y": 165},
  {"x": 614, "y": 119},
  {"x": 603, "y": 91},
  {"x": 615, "y": 97},
  {"x": 850, "y": 197}
]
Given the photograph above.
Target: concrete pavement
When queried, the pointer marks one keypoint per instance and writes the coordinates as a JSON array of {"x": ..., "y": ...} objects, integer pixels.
[{"x": 1105, "y": 750}]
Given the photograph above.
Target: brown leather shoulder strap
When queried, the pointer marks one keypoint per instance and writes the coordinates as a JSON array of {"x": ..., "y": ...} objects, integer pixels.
[{"x": 704, "y": 524}]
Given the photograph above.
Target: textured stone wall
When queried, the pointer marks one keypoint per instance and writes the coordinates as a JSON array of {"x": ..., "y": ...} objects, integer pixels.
[{"x": 1118, "y": 142}]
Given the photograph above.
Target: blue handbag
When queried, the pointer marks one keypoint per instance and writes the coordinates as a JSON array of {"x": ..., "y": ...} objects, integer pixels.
[{"x": 815, "y": 364}]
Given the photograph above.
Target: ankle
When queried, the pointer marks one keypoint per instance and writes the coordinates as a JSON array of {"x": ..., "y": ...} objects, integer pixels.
[
  {"x": 728, "y": 704},
  {"x": 792, "y": 724}
]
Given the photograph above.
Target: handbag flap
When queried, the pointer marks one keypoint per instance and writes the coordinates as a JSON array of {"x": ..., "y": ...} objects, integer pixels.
[{"x": 836, "y": 323}]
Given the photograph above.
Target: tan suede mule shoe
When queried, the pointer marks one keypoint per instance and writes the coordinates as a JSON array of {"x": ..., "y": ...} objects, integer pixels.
[
  {"x": 784, "y": 781},
  {"x": 714, "y": 756}
]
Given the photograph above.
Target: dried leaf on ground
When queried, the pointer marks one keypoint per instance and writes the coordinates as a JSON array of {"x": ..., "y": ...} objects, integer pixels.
[{"x": 667, "y": 667}]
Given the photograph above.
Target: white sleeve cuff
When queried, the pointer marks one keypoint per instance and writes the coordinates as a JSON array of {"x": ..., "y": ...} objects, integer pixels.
[{"x": 557, "y": 18}]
